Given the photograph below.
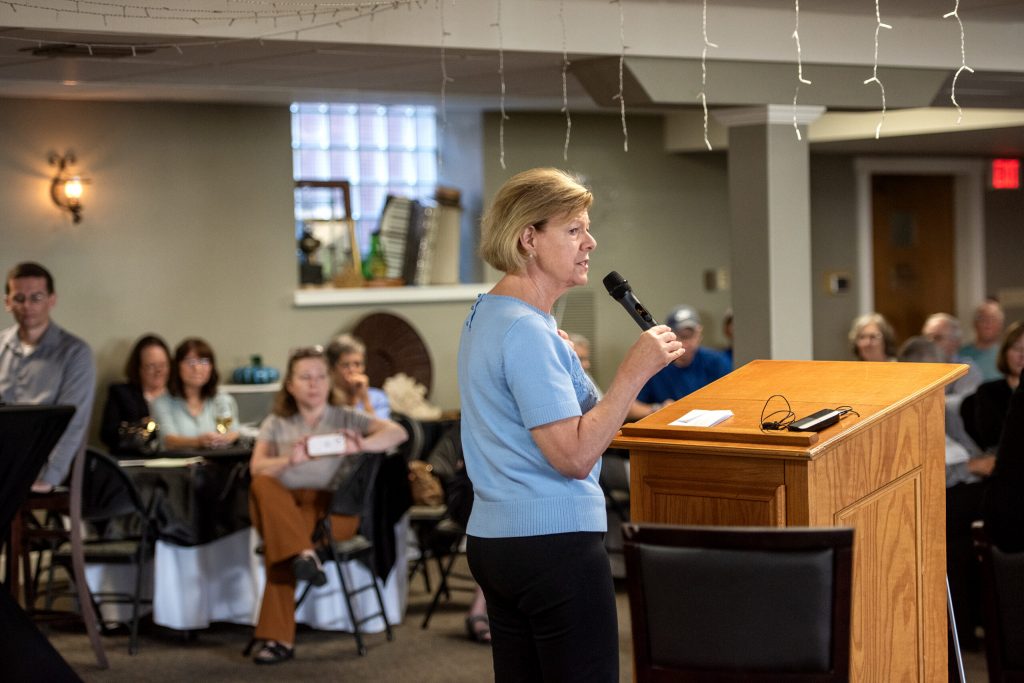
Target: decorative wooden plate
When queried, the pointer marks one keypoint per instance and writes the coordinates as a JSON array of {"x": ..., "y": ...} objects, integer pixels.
[{"x": 393, "y": 346}]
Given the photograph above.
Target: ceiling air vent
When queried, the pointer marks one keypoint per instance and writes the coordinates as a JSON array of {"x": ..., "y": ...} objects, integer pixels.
[{"x": 76, "y": 50}]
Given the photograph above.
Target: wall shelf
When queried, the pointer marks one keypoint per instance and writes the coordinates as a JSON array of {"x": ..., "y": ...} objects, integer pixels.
[{"x": 369, "y": 296}]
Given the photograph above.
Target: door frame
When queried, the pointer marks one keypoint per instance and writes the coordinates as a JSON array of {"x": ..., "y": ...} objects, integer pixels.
[{"x": 968, "y": 218}]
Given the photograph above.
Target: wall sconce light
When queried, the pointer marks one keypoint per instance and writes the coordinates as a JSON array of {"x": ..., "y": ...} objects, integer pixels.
[{"x": 66, "y": 187}]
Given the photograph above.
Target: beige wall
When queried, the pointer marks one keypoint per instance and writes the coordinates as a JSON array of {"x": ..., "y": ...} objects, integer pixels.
[
  {"x": 187, "y": 230},
  {"x": 188, "y": 224},
  {"x": 660, "y": 220},
  {"x": 833, "y": 249}
]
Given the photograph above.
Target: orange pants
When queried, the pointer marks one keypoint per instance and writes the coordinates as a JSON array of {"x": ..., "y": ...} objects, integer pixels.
[{"x": 286, "y": 518}]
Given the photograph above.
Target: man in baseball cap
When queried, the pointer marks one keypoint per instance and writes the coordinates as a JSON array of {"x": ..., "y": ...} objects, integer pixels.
[{"x": 695, "y": 368}]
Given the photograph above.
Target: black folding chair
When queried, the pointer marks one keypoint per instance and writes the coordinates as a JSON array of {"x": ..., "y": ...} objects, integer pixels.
[
  {"x": 352, "y": 496},
  {"x": 122, "y": 531}
]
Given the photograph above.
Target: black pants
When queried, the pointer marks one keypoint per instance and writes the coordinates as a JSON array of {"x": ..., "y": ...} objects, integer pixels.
[
  {"x": 551, "y": 604},
  {"x": 963, "y": 506}
]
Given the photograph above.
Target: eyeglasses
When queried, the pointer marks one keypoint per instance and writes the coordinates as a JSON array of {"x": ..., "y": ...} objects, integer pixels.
[
  {"x": 310, "y": 378},
  {"x": 197, "y": 362},
  {"x": 35, "y": 298},
  {"x": 869, "y": 336}
]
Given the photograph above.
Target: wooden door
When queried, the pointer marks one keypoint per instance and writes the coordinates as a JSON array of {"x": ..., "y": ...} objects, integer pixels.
[{"x": 913, "y": 241}]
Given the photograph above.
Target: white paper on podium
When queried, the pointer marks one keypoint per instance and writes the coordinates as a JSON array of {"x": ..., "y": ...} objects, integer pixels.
[{"x": 702, "y": 418}]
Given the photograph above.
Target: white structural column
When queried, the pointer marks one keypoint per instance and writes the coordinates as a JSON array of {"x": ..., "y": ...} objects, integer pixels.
[{"x": 769, "y": 197}]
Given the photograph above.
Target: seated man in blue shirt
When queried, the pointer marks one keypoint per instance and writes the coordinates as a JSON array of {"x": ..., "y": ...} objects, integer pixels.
[{"x": 695, "y": 368}]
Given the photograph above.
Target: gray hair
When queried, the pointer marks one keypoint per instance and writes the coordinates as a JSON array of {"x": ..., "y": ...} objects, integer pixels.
[
  {"x": 955, "y": 329},
  {"x": 578, "y": 339},
  {"x": 344, "y": 345},
  {"x": 888, "y": 335},
  {"x": 920, "y": 349}
]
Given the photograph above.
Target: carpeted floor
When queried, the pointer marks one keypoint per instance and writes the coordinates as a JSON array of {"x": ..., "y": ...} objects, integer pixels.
[{"x": 441, "y": 654}]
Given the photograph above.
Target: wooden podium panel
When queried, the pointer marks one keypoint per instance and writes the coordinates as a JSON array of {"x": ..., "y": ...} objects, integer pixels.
[{"x": 881, "y": 473}]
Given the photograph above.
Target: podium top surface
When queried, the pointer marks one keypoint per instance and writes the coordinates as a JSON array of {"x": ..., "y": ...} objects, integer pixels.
[{"x": 870, "y": 389}]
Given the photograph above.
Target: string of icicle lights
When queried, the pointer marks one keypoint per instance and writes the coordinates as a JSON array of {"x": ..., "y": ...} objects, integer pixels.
[
  {"x": 260, "y": 11},
  {"x": 874, "y": 73},
  {"x": 799, "y": 68},
  {"x": 445, "y": 80},
  {"x": 704, "y": 70},
  {"x": 295, "y": 17},
  {"x": 963, "y": 61},
  {"x": 622, "y": 62}
]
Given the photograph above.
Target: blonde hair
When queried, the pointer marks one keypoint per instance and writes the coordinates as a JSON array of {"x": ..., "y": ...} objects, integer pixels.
[{"x": 528, "y": 198}]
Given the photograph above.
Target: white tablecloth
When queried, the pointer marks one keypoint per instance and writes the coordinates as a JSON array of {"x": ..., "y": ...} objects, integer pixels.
[{"x": 223, "y": 581}]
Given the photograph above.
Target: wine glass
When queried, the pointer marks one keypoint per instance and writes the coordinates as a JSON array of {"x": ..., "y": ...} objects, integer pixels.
[{"x": 223, "y": 414}]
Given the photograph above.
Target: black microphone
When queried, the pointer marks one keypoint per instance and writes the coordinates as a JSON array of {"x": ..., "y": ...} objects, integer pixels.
[{"x": 623, "y": 293}]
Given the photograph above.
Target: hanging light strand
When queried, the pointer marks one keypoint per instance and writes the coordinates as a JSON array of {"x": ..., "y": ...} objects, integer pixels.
[
  {"x": 565, "y": 87},
  {"x": 622, "y": 60},
  {"x": 704, "y": 70},
  {"x": 90, "y": 47},
  {"x": 963, "y": 61},
  {"x": 799, "y": 68},
  {"x": 874, "y": 74},
  {"x": 445, "y": 80},
  {"x": 501, "y": 76},
  {"x": 112, "y": 10}
]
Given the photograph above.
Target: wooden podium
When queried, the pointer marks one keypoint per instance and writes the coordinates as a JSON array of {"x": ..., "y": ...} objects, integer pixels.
[{"x": 881, "y": 473}]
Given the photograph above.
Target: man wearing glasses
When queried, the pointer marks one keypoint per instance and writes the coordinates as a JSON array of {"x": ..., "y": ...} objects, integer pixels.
[{"x": 42, "y": 364}]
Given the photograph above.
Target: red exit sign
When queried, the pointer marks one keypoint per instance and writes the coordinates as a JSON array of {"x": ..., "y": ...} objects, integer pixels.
[{"x": 1005, "y": 174}]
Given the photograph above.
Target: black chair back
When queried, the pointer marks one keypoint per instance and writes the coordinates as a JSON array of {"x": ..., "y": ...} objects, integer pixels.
[
  {"x": 1002, "y": 577},
  {"x": 353, "y": 495},
  {"x": 721, "y": 603},
  {"x": 107, "y": 492},
  {"x": 27, "y": 435},
  {"x": 412, "y": 448}
]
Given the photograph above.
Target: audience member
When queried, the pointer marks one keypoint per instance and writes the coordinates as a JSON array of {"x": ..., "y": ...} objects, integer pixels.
[
  {"x": 966, "y": 468},
  {"x": 128, "y": 403},
  {"x": 581, "y": 345},
  {"x": 697, "y": 366},
  {"x": 872, "y": 338},
  {"x": 43, "y": 364},
  {"x": 727, "y": 331},
  {"x": 193, "y": 413},
  {"x": 945, "y": 331},
  {"x": 447, "y": 461},
  {"x": 991, "y": 401},
  {"x": 1002, "y": 509},
  {"x": 988, "y": 331},
  {"x": 285, "y": 517},
  {"x": 347, "y": 356}
]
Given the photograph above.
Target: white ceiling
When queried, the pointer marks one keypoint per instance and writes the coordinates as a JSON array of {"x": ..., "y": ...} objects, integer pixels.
[{"x": 204, "y": 63}]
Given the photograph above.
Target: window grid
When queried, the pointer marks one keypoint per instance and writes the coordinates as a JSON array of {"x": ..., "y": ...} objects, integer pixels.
[{"x": 378, "y": 149}]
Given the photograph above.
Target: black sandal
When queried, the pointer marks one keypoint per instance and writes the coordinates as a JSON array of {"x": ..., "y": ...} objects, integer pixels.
[
  {"x": 273, "y": 652},
  {"x": 478, "y": 635},
  {"x": 307, "y": 568}
]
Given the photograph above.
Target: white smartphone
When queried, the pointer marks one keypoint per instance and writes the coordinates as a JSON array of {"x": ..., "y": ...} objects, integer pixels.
[{"x": 325, "y": 444}]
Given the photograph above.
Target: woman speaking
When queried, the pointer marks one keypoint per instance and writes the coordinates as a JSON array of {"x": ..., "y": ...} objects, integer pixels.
[{"x": 533, "y": 434}]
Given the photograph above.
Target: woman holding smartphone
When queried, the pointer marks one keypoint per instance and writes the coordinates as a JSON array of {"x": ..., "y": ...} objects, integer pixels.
[{"x": 285, "y": 516}]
